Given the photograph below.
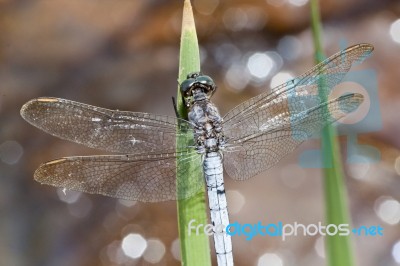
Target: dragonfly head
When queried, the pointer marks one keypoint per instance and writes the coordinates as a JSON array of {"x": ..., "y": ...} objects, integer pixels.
[{"x": 197, "y": 85}]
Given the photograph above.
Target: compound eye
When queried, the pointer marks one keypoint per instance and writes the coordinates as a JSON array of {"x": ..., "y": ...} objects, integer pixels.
[
  {"x": 207, "y": 82},
  {"x": 186, "y": 87}
]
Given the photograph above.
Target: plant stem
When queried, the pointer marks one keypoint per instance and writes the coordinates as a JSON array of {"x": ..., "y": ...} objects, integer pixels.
[
  {"x": 195, "y": 249},
  {"x": 339, "y": 248}
]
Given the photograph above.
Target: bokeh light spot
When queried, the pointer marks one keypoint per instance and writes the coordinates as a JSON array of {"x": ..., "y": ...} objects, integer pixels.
[
  {"x": 359, "y": 170},
  {"x": 176, "y": 250},
  {"x": 133, "y": 245},
  {"x": 127, "y": 203},
  {"x": 68, "y": 196},
  {"x": 298, "y": 2},
  {"x": 10, "y": 152},
  {"x": 320, "y": 247},
  {"x": 235, "y": 19},
  {"x": 236, "y": 77},
  {"x": 394, "y": 31},
  {"x": 256, "y": 19},
  {"x": 260, "y": 65},
  {"x": 397, "y": 165},
  {"x": 205, "y": 7},
  {"x": 388, "y": 210},
  {"x": 270, "y": 259},
  {"x": 236, "y": 201},
  {"x": 280, "y": 78},
  {"x": 155, "y": 251},
  {"x": 80, "y": 208},
  {"x": 115, "y": 254},
  {"x": 276, "y": 3},
  {"x": 227, "y": 54},
  {"x": 396, "y": 252},
  {"x": 290, "y": 47}
]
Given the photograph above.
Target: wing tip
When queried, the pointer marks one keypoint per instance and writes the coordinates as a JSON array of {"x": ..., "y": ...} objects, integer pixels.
[
  {"x": 38, "y": 175},
  {"x": 351, "y": 101},
  {"x": 42, "y": 174},
  {"x": 25, "y": 107},
  {"x": 366, "y": 46},
  {"x": 366, "y": 49},
  {"x": 24, "y": 112}
]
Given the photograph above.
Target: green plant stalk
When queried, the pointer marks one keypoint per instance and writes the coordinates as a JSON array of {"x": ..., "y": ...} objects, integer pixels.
[
  {"x": 338, "y": 248},
  {"x": 195, "y": 249}
]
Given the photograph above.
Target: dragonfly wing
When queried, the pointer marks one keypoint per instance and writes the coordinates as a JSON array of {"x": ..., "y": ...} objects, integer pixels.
[
  {"x": 146, "y": 178},
  {"x": 256, "y": 152},
  {"x": 292, "y": 97},
  {"x": 111, "y": 130}
]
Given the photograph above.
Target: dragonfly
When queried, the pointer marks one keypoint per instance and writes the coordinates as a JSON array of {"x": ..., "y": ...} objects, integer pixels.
[{"x": 249, "y": 139}]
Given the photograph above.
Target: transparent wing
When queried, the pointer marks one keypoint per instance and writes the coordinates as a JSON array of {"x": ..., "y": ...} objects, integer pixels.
[
  {"x": 148, "y": 173},
  {"x": 295, "y": 96},
  {"x": 262, "y": 130},
  {"x": 258, "y": 152},
  {"x": 95, "y": 127},
  {"x": 146, "y": 178}
]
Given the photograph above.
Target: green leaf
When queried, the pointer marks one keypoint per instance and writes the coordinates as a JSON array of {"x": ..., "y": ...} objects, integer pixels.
[
  {"x": 195, "y": 249},
  {"x": 339, "y": 248}
]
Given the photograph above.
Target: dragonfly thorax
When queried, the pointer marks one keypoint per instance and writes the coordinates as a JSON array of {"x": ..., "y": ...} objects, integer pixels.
[
  {"x": 196, "y": 91},
  {"x": 207, "y": 122}
]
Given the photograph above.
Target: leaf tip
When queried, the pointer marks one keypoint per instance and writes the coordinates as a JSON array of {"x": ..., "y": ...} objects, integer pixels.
[{"x": 188, "y": 19}]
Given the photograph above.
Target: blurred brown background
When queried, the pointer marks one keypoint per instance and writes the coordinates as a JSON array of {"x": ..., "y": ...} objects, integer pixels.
[{"x": 124, "y": 55}]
